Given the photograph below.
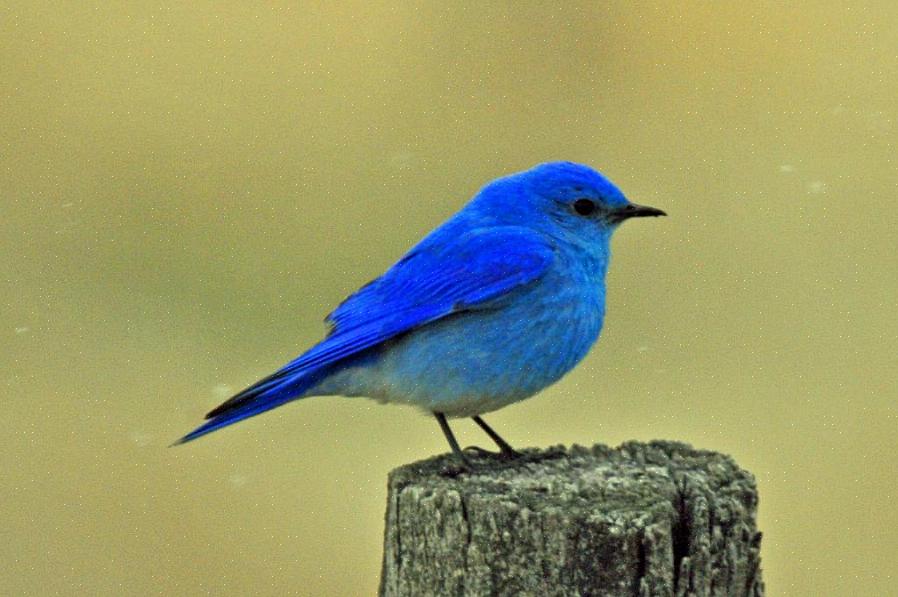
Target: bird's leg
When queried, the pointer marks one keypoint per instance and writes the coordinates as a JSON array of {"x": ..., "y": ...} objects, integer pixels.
[
  {"x": 444, "y": 425},
  {"x": 504, "y": 446}
]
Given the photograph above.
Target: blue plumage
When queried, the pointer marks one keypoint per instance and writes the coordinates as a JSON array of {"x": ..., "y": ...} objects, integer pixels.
[{"x": 497, "y": 303}]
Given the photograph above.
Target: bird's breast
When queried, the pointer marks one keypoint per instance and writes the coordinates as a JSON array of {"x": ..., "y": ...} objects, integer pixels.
[{"x": 567, "y": 320}]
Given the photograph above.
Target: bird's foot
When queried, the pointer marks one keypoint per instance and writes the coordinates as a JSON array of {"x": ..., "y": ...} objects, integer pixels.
[{"x": 505, "y": 454}]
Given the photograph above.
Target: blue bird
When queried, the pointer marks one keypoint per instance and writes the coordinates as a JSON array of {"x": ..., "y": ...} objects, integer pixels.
[{"x": 491, "y": 307}]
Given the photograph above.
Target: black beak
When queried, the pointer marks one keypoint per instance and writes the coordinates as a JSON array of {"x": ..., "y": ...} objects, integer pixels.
[{"x": 631, "y": 210}]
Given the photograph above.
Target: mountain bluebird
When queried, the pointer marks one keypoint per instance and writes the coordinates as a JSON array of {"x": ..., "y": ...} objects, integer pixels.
[{"x": 497, "y": 303}]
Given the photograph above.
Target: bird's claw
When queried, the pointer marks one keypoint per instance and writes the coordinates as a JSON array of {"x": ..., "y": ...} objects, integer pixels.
[
  {"x": 508, "y": 454},
  {"x": 480, "y": 451}
]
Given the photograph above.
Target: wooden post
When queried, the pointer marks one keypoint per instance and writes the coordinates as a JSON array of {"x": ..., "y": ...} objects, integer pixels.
[{"x": 642, "y": 519}]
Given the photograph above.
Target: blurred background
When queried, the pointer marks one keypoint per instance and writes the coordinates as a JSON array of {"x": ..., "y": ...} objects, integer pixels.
[{"x": 186, "y": 190}]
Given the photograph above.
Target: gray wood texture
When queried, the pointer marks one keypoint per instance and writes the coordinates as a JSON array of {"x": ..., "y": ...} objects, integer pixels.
[{"x": 642, "y": 519}]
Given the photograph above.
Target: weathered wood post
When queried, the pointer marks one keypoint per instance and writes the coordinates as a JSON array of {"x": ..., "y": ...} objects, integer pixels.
[{"x": 643, "y": 519}]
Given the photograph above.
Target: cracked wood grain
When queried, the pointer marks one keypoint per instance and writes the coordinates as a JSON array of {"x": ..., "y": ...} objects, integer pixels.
[{"x": 642, "y": 519}]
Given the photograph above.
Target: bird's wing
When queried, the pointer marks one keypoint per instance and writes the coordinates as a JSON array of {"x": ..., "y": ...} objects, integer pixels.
[
  {"x": 464, "y": 273},
  {"x": 434, "y": 280}
]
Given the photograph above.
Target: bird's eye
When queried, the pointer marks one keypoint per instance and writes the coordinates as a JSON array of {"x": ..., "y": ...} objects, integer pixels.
[{"x": 584, "y": 207}]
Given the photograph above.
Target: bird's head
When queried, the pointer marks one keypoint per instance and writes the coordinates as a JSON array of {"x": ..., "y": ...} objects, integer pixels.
[{"x": 561, "y": 195}]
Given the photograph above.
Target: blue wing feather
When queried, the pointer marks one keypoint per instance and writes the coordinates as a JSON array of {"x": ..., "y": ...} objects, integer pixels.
[{"x": 437, "y": 278}]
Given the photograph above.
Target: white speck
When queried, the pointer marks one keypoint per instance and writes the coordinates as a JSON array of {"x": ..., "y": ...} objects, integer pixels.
[
  {"x": 141, "y": 439},
  {"x": 222, "y": 391},
  {"x": 816, "y": 187},
  {"x": 67, "y": 205},
  {"x": 403, "y": 160},
  {"x": 787, "y": 168},
  {"x": 23, "y": 330},
  {"x": 642, "y": 349},
  {"x": 238, "y": 480}
]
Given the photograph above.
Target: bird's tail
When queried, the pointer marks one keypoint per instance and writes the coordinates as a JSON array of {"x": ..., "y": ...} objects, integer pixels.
[{"x": 268, "y": 393}]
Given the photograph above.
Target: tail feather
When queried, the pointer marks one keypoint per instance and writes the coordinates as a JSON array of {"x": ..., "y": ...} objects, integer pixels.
[
  {"x": 252, "y": 401},
  {"x": 248, "y": 395}
]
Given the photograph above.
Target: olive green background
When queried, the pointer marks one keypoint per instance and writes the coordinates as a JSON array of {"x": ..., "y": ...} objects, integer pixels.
[{"x": 187, "y": 189}]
